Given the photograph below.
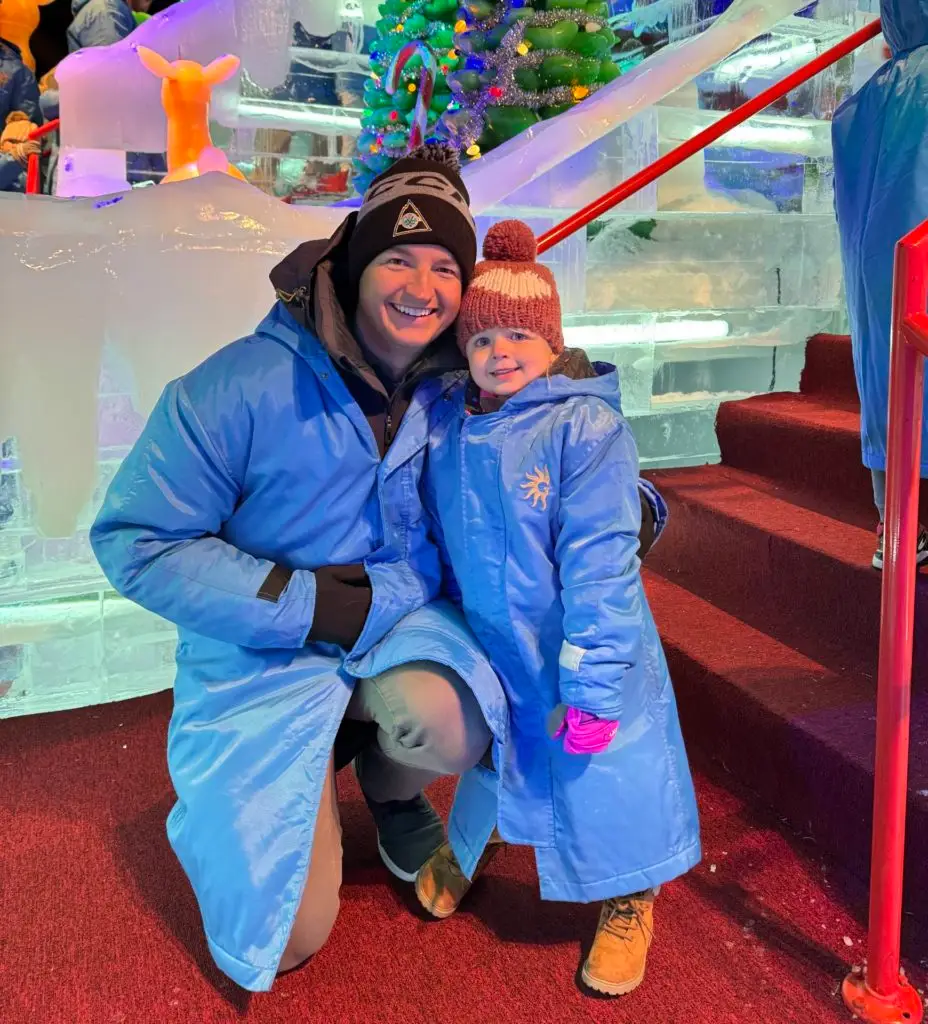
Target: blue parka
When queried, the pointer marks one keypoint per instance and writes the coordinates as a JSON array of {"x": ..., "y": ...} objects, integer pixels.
[
  {"x": 98, "y": 23},
  {"x": 18, "y": 91},
  {"x": 539, "y": 512},
  {"x": 258, "y": 457},
  {"x": 880, "y": 138}
]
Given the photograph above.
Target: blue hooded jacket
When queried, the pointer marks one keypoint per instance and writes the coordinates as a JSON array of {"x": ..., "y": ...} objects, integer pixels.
[
  {"x": 261, "y": 457},
  {"x": 539, "y": 512},
  {"x": 98, "y": 23},
  {"x": 18, "y": 91},
  {"x": 880, "y": 138}
]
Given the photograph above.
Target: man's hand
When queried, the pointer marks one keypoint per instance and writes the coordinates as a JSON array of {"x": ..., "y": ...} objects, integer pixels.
[{"x": 343, "y": 599}]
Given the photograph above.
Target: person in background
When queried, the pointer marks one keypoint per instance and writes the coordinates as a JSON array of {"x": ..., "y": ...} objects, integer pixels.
[
  {"x": 102, "y": 22},
  {"x": 19, "y": 114},
  {"x": 48, "y": 103},
  {"x": 880, "y": 141}
]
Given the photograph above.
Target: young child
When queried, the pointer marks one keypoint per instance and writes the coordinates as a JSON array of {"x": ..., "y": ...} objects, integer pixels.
[{"x": 532, "y": 475}]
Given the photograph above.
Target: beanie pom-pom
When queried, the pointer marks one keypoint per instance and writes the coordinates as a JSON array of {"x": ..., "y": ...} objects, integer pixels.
[
  {"x": 437, "y": 152},
  {"x": 510, "y": 241}
]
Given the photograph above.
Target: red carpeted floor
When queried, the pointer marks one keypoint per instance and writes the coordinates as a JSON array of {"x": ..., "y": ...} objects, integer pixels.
[
  {"x": 98, "y": 924},
  {"x": 769, "y": 612}
]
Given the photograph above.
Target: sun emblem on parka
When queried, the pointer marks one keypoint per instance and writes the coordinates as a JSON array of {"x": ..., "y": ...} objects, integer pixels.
[{"x": 537, "y": 487}]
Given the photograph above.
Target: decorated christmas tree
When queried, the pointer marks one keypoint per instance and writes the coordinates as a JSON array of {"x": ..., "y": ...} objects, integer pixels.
[
  {"x": 524, "y": 64},
  {"x": 416, "y": 42}
]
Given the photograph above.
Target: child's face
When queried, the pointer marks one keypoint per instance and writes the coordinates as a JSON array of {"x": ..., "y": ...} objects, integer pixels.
[{"x": 504, "y": 359}]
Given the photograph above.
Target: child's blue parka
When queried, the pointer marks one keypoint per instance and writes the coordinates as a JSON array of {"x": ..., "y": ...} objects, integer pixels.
[{"x": 539, "y": 511}]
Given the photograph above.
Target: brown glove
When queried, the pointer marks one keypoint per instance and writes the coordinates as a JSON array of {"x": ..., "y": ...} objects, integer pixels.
[{"x": 343, "y": 599}]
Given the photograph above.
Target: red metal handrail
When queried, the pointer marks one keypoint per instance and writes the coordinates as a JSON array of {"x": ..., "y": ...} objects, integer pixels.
[
  {"x": 32, "y": 170},
  {"x": 706, "y": 137},
  {"x": 881, "y": 993}
]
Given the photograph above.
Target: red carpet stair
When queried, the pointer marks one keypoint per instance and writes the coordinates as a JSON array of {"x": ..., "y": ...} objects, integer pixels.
[{"x": 769, "y": 611}]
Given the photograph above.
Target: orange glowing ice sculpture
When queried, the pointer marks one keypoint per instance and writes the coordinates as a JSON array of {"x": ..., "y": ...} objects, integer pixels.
[
  {"x": 185, "y": 94},
  {"x": 18, "y": 20}
]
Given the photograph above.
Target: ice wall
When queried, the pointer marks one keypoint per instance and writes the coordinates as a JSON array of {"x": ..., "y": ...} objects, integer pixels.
[{"x": 161, "y": 276}]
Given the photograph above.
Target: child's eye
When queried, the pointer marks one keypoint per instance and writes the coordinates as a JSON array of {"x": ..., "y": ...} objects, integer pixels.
[
  {"x": 517, "y": 336},
  {"x": 481, "y": 342}
]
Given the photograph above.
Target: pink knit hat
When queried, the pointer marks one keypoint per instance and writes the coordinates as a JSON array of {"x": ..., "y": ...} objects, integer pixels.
[{"x": 509, "y": 289}]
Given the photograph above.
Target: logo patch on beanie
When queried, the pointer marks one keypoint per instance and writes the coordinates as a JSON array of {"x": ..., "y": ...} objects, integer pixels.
[{"x": 410, "y": 221}]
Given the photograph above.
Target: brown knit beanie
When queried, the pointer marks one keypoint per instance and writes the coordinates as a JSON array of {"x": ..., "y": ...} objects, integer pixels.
[{"x": 509, "y": 289}]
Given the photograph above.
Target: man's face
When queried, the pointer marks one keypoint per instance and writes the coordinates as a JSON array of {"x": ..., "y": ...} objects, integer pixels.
[{"x": 408, "y": 295}]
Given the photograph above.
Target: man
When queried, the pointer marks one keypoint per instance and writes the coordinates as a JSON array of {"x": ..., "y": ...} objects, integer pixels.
[{"x": 260, "y": 511}]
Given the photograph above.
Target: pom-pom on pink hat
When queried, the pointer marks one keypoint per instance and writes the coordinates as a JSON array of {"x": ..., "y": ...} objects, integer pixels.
[{"x": 509, "y": 289}]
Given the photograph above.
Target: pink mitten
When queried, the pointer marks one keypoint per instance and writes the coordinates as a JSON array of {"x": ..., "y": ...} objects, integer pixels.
[{"x": 585, "y": 733}]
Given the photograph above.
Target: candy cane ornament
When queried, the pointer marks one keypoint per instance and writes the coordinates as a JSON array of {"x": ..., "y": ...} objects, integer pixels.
[{"x": 427, "y": 78}]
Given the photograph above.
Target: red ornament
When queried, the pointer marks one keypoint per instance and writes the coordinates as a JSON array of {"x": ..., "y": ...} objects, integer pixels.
[
  {"x": 495, "y": 92},
  {"x": 394, "y": 116}
]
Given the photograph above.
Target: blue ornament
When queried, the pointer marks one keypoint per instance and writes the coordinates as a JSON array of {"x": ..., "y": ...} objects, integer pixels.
[{"x": 473, "y": 63}]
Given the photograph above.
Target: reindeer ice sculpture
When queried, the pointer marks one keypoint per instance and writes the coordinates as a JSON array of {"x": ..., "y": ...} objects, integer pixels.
[{"x": 185, "y": 94}]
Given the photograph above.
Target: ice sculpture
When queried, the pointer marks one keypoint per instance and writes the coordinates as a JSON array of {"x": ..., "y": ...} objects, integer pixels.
[
  {"x": 124, "y": 117},
  {"x": 523, "y": 159},
  {"x": 185, "y": 92},
  {"x": 113, "y": 298}
]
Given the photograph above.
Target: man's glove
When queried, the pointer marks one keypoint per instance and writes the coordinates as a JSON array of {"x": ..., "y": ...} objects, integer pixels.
[{"x": 343, "y": 599}]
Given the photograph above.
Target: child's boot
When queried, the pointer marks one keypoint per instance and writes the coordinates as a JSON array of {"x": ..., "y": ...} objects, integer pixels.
[
  {"x": 617, "y": 960},
  {"x": 441, "y": 884}
]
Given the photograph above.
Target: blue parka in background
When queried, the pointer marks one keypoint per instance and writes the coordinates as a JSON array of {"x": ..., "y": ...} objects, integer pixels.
[
  {"x": 18, "y": 91},
  {"x": 880, "y": 138},
  {"x": 539, "y": 512},
  {"x": 98, "y": 23}
]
